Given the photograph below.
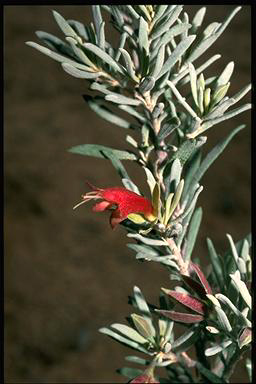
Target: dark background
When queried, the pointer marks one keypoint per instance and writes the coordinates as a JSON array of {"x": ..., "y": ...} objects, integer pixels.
[{"x": 66, "y": 272}]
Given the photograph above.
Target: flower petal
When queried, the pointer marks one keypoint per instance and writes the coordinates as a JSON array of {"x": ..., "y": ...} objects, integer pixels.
[
  {"x": 102, "y": 206},
  {"x": 116, "y": 218}
]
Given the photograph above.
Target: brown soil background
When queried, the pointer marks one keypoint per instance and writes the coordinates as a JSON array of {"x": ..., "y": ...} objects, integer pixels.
[{"x": 67, "y": 273}]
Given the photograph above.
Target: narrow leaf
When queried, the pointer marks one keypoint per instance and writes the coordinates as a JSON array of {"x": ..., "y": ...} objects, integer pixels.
[
  {"x": 176, "y": 54},
  {"x": 105, "y": 57},
  {"x": 128, "y": 64},
  {"x": 129, "y": 332},
  {"x": 120, "y": 99},
  {"x": 64, "y": 26},
  {"x": 242, "y": 288},
  {"x": 124, "y": 340},
  {"x": 147, "y": 240},
  {"x": 192, "y": 233},
  {"x": 184, "y": 342},
  {"x": 186, "y": 300},
  {"x": 216, "y": 264},
  {"x": 223, "y": 320},
  {"x": 143, "y": 326},
  {"x": 97, "y": 151},
  {"x": 212, "y": 377},
  {"x": 213, "y": 155},
  {"x": 181, "y": 317},
  {"x": 217, "y": 348},
  {"x": 78, "y": 73},
  {"x": 143, "y": 35},
  {"x": 56, "y": 56},
  {"x": 201, "y": 277}
]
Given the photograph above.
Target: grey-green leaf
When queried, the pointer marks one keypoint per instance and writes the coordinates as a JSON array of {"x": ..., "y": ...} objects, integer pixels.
[
  {"x": 106, "y": 114},
  {"x": 97, "y": 151},
  {"x": 124, "y": 340},
  {"x": 143, "y": 35},
  {"x": 216, "y": 264},
  {"x": 120, "y": 99},
  {"x": 65, "y": 27},
  {"x": 105, "y": 57},
  {"x": 213, "y": 155},
  {"x": 56, "y": 56},
  {"x": 78, "y": 73},
  {"x": 192, "y": 233},
  {"x": 176, "y": 54}
]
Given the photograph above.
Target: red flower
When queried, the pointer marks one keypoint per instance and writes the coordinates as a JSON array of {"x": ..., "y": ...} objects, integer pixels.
[{"x": 122, "y": 200}]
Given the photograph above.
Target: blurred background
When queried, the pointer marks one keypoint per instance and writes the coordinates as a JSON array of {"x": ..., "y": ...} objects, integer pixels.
[{"x": 66, "y": 272}]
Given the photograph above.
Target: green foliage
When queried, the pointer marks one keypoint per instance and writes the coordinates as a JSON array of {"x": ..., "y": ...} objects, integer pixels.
[{"x": 144, "y": 75}]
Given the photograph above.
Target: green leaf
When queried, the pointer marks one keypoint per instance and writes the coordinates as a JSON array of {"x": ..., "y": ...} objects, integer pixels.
[
  {"x": 54, "y": 43},
  {"x": 96, "y": 150},
  {"x": 56, "y": 56},
  {"x": 143, "y": 308},
  {"x": 213, "y": 155},
  {"x": 116, "y": 163},
  {"x": 224, "y": 299},
  {"x": 176, "y": 198},
  {"x": 78, "y": 73},
  {"x": 124, "y": 340},
  {"x": 129, "y": 64},
  {"x": 160, "y": 12},
  {"x": 102, "y": 36},
  {"x": 147, "y": 84},
  {"x": 97, "y": 19},
  {"x": 143, "y": 326},
  {"x": 209, "y": 374},
  {"x": 105, "y": 57},
  {"x": 184, "y": 342},
  {"x": 131, "y": 186},
  {"x": 175, "y": 174},
  {"x": 208, "y": 41},
  {"x": 216, "y": 264},
  {"x": 192, "y": 233},
  {"x": 193, "y": 82},
  {"x": 80, "y": 54},
  {"x": 120, "y": 99},
  {"x": 65, "y": 27},
  {"x": 79, "y": 28},
  {"x": 156, "y": 201},
  {"x": 143, "y": 35},
  {"x": 225, "y": 75},
  {"x": 137, "y": 360},
  {"x": 150, "y": 179},
  {"x": 187, "y": 149},
  {"x": 198, "y": 19},
  {"x": 223, "y": 320},
  {"x": 168, "y": 128},
  {"x": 129, "y": 332},
  {"x": 240, "y": 285},
  {"x": 174, "y": 31},
  {"x": 217, "y": 348},
  {"x": 105, "y": 113},
  {"x": 131, "y": 373},
  {"x": 159, "y": 30},
  {"x": 176, "y": 55},
  {"x": 219, "y": 93}
]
